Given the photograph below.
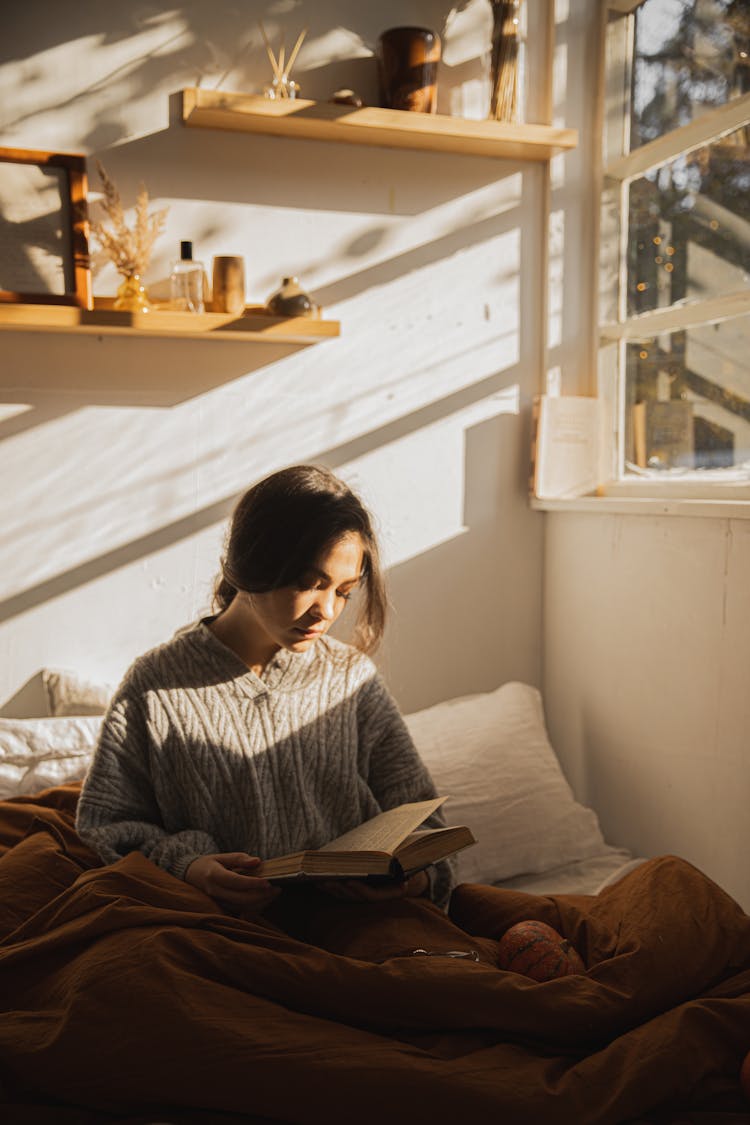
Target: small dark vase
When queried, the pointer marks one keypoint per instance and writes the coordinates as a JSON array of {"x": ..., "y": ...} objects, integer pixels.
[
  {"x": 291, "y": 300},
  {"x": 408, "y": 59}
]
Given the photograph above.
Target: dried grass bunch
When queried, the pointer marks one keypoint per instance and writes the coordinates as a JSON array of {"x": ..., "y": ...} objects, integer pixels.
[
  {"x": 129, "y": 248},
  {"x": 504, "y": 60}
]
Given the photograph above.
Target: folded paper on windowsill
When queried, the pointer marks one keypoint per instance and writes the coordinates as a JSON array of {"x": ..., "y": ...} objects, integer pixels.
[{"x": 566, "y": 447}]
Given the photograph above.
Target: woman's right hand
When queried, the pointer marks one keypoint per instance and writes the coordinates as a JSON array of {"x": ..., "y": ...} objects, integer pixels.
[{"x": 228, "y": 878}]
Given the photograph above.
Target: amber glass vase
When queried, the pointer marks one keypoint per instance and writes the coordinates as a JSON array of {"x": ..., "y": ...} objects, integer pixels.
[{"x": 132, "y": 295}]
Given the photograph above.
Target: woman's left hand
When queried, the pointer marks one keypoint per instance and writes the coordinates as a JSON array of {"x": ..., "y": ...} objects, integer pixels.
[{"x": 357, "y": 890}]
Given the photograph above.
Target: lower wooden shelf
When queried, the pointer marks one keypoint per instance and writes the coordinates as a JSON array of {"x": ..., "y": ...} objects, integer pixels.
[{"x": 254, "y": 325}]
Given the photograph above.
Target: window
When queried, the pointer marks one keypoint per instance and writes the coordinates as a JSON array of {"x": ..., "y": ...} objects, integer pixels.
[{"x": 675, "y": 246}]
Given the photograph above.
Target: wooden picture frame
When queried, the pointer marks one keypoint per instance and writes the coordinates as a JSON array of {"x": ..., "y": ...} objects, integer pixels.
[{"x": 44, "y": 228}]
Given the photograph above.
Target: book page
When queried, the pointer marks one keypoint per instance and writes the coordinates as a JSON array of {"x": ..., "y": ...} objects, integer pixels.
[
  {"x": 566, "y": 446},
  {"x": 386, "y": 830},
  {"x": 419, "y": 849}
]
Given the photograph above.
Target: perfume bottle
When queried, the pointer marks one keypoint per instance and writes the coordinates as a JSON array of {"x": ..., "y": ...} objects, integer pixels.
[{"x": 186, "y": 282}]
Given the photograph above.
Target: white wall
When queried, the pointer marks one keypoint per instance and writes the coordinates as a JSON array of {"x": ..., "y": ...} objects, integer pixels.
[
  {"x": 646, "y": 657},
  {"x": 120, "y": 472}
]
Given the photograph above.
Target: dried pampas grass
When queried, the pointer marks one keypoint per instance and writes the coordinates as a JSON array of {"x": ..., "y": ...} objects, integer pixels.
[
  {"x": 129, "y": 248},
  {"x": 504, "y": 63}
]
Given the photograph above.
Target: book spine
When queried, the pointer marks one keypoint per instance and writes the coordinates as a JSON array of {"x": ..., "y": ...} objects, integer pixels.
[{"x": 397, "y": 872}]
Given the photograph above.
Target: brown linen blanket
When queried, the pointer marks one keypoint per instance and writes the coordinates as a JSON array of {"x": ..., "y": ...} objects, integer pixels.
[{"x": 127, "y": 995}]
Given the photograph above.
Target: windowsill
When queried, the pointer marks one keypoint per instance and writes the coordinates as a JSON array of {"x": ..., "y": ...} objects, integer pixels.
[{"x": 733, "y": 509}]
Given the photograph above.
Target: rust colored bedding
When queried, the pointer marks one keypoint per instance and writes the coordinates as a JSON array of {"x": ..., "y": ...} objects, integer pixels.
[{"x": 128, "y": 996}]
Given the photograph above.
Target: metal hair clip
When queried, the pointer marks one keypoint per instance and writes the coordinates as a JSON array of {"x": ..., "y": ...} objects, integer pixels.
[{"x": 468, "y": 954}]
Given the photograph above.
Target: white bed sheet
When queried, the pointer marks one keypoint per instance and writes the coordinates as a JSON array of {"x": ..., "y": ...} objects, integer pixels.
[{"x": 583, "y": 877}]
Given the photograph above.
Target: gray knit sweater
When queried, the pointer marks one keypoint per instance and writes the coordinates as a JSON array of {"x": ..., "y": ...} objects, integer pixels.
[{"x": 199, "y": 755}]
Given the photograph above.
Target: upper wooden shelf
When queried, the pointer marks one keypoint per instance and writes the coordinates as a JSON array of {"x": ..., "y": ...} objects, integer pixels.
[
  {"x": 390, "y": 128},
  {"x": 103, "y": 320}
]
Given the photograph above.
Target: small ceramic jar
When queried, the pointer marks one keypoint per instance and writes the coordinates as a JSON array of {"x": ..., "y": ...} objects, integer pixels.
[{"x": 291, "y": 300}]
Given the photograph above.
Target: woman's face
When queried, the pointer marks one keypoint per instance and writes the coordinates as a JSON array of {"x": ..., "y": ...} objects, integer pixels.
[{"x": 295, "y": 617}]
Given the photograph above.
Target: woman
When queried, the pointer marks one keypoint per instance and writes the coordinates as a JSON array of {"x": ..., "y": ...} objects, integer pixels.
[{"x": 252, "y": 733}]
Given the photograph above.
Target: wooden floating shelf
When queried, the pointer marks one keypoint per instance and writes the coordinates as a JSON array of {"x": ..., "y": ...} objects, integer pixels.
[
  {"x": 254, "y": 326},
  {"x": 370, "y": 125}
]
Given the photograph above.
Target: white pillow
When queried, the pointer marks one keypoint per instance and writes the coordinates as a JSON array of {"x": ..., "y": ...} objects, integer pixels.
[
  {"x": 36, "y": 754},
  {"x": 490, "y": 755},
  {"x": 68, "y": 693}
]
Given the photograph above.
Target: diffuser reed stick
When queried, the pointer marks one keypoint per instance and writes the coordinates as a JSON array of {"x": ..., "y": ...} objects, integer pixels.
[
  {"x": 269, "y": 52},
  {"x": 295, "y": 49},
  {"x": 283, "y": 86}
]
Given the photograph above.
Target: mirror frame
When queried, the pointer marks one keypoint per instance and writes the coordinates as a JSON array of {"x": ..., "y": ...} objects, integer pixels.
[{"x": 76, "y": 259}]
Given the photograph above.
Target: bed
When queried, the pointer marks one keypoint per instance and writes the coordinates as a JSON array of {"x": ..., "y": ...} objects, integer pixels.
[{"x": 129, "y": 996}]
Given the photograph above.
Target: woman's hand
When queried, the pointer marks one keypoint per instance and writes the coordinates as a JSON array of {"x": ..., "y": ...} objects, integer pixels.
[
  {"x": 357, "y": 890},
  {"x": 228, "y": 878}
]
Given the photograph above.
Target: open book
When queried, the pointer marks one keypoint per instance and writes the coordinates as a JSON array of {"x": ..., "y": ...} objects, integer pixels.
[{"x": 387, "y": 846}]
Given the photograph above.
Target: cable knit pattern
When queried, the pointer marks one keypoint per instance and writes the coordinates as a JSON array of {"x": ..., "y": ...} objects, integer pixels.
[{"x": 198, "y": 754}]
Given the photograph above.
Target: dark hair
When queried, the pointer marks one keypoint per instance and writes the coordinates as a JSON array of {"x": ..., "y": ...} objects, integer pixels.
[{"x": 282, "y": 526}]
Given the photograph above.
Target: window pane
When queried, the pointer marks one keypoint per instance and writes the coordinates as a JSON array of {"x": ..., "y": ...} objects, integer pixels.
[
  {"x": 688, "y": 398},
  {"x": 689, "y": 55},
  {"x": 689, "y": 226}
]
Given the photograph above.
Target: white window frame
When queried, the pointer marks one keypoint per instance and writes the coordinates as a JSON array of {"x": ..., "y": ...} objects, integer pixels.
[{"x": 616, "y": 328}]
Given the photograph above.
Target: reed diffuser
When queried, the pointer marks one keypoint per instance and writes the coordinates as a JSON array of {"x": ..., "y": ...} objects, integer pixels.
[
  {"x": 283, "y": 85},
  {"x": 506, "y": 20}
]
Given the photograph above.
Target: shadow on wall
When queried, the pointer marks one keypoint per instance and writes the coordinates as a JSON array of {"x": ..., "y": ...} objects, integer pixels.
[
  {"x": 127, "y": 385},
  {"x": 136, "y": 368},
  {"x": 235, "y": 167},
  {"x": 120, "y": 371},
  {"x": 473, "y": 602},
  {"x": 218, "y": 512},
  {"x": 217, "y": 44},
  {"x": 467, "y": 594}
]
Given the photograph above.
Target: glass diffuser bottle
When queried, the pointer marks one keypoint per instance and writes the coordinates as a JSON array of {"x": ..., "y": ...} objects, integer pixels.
[{"x": 186, "y": 282}]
